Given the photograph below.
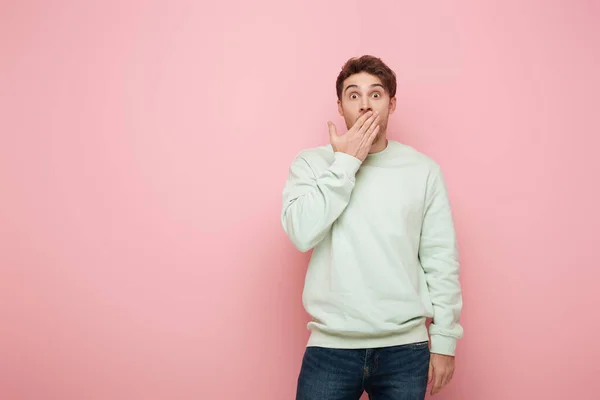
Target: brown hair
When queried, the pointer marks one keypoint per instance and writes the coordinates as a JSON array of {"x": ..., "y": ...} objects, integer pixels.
[{"x": 371, "y": 65}]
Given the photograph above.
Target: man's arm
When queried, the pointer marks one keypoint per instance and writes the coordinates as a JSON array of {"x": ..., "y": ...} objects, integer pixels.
[
  {"x": 312, "y": 203},
  {"x": 438, "y": 253}
]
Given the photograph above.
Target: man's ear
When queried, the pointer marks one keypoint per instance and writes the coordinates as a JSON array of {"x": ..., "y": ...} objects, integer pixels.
[
  {"x": 340, "y": 109},
  {"x": 392, "y": 106}
]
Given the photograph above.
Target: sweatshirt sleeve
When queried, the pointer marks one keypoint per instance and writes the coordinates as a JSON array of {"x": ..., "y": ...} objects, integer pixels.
[
  {"x": 312, "y": 202},
  {"x": 438, "y": 252}
]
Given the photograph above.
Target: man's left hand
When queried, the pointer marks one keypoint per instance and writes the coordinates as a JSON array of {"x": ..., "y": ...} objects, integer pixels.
[{"x": 441, "y": 369}]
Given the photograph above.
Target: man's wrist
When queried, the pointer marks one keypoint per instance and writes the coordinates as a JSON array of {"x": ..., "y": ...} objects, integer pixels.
[{"x": 348, "y": 163}]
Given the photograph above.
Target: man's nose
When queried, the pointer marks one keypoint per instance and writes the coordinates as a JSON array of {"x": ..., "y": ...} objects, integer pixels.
[{"x": 365, "y": 106}]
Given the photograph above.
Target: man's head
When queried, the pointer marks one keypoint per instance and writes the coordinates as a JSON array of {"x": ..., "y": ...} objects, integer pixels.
[{"x": 366, "y": 83}]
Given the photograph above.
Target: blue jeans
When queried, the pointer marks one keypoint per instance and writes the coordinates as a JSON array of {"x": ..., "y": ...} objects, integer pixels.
[{"x": 389, "y": 373}]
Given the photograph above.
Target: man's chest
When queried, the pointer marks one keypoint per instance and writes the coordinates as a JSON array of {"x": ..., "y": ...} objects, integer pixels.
[{"x": 388, "y": 199}]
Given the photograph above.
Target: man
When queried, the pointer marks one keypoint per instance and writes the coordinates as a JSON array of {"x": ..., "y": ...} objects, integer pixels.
[{"x": 376, "y": 214}]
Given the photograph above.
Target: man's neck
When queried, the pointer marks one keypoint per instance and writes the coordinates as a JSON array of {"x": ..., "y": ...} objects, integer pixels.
[{"x": 379, "y": 145}]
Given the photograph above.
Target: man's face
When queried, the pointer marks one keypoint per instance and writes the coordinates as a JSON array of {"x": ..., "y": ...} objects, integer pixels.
[{"x": 363, "y": 92}]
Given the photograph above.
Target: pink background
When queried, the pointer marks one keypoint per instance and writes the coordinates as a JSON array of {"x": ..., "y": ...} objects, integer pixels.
[{"x": 143, "y": 151}]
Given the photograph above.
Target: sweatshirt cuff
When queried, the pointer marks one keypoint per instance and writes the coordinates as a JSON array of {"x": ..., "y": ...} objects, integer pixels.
[
  {"x": 347, "y": 163},
  {"x": 443, "y": 345}
]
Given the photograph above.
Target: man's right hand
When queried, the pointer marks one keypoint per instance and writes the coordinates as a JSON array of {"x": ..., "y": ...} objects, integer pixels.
[{"x": 357, "y": 141}]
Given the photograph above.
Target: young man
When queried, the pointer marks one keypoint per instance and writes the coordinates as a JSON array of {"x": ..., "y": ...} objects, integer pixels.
[{"x": 377, "y": 216}]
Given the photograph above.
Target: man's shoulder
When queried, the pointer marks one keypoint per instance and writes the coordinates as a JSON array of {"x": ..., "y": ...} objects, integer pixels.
[
  {"x": 414, "y": 156},
  {"x": 316, "y": 154},
  {"x": 324, "y": 155}
]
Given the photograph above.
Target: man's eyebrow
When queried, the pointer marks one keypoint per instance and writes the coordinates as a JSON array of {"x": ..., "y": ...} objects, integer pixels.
[
  {"x": 350, "y": 86},
  {"x": 356, "y": 86}
]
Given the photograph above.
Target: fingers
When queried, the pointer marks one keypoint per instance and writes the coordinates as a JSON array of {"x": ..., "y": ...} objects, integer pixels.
[
  {"x": 359, "y": 122},
  {"x": 332, "y": 130},
  {"x": 441, "y": 379},
  {"x": 437, "y": 383},
  {"x": 448, "y": 378},
  {"x": 368, "y": 137},
  {"x": 430, "y": 375},
  {"x": 373, "y": 134},
  {"x": 374, "y": 124},
  {"x": 370, "y": 122}
]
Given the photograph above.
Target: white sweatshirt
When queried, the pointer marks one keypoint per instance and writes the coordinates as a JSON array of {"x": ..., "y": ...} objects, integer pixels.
[{"x": 385, "y": 253}]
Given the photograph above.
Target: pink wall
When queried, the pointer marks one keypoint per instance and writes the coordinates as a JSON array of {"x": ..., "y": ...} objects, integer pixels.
[{"x": 144, "y": 147}]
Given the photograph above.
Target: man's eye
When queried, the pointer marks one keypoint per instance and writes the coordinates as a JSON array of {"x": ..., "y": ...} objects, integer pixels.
[
  {"x": 376, "y": 95},
  {"x": 353, "y": 96}
]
